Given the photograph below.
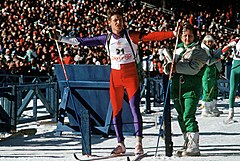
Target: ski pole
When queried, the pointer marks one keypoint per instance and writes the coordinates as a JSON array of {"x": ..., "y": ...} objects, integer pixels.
[
  {"x": 168, "y": 86},
  {"x": 71, "y": 97}
]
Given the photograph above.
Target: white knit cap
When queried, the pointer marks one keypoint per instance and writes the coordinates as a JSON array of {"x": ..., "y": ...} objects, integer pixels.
[{"x": 208, "y": 38}]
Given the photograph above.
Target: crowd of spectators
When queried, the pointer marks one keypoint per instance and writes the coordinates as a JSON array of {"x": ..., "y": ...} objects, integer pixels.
[{"x": 26, "y": 49}]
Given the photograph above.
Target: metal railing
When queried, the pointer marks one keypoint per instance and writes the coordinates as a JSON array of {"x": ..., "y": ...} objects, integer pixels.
[{"x": 15, "y": 101}]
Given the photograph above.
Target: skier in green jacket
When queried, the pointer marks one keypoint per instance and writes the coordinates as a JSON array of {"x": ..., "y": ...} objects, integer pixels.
[
  {"x": 210, "y": 77},
  {"x": 187, "y": 71}
]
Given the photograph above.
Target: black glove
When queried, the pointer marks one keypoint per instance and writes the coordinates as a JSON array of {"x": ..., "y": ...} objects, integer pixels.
[
  {"x": 218, "y": 53},
  {"x": 54, "y": 34}
]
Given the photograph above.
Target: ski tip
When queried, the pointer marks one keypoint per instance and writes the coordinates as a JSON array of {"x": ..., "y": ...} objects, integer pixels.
[
  {"x": 138, "y": 157},
  {"x": 75, "y": 156},
  {"x": 229, "y": 121}
]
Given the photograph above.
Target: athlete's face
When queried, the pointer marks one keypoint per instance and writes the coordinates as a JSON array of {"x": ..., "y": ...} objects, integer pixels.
[
  {"x": 116, "y": 23},
  {"x": 187, "y": 37},
  {"x": 209, "y": 43}
]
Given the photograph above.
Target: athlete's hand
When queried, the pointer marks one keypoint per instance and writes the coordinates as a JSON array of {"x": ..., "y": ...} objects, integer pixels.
[
  {"x": 177, "y": 28},
  {"x": 232, "y": 43},
  {"x": 54, "y": 34},
  {"x": 168, "y": 68}
]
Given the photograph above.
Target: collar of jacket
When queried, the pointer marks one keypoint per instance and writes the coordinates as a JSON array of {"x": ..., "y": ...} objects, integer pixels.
[
  {"x": 121, "y": 34},
  {"x": 181, "y": 45}
]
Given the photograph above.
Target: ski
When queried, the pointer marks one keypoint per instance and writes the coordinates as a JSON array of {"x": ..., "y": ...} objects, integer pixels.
[
  {"x": 178, "y": 153},
  {"x": 137, "y": 157},
  {"x": 92, "y": 158},
  {"x": 229, "y": 121},
  {"x": 22, "y": 132}
]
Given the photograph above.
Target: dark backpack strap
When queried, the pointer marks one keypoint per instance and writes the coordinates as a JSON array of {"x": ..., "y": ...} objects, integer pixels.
[
  {"x": 142, "y": 32},
  {"x": 128, "y": 39},
  {"x": 108, "y": 41}
]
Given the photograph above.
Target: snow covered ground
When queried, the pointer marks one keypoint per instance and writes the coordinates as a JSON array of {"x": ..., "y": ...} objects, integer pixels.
[{"x": 218, "y": 141}]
